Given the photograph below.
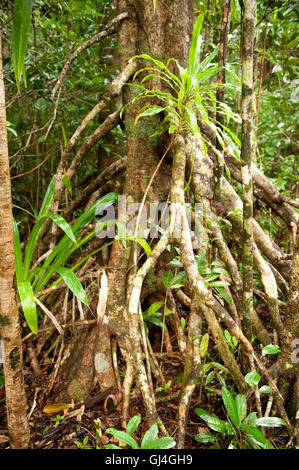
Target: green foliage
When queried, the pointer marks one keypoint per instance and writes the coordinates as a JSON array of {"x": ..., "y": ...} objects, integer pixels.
[
  {"x": 232, "y": 342},
  {"x": 150, "y": 439},
  {"x": 210, "y": 274},
  {"x": 151, "y": 315},
  {"x": 166, "y": 387},
  {"x": 98, "y": 429},
  {"x": 240, "y": 430},
  {"x": 31, "y": 279},
  {"x": 21, "y": 26},
  {"x": 278, "y": 127},
  {"x": 82, "y": 445},
  {"x": 209, "y": 371},
  {"x": 270, "y": 349},
  {"x": 190, "y": 95},
  {"x": 58, "y": 418},
  {"x": 252, "y": 378}
]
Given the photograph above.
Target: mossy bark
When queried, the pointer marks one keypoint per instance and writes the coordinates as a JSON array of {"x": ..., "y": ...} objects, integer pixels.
[{"x": 248, "y": 35}]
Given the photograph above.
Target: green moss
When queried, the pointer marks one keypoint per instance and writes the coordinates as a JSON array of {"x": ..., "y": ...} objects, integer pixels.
[
  {"x": 151, "y": 280},
  {"x": 4, "y": 321},
  {"x": 77, "y": 392},
  {"x": 14, "y": 358}
]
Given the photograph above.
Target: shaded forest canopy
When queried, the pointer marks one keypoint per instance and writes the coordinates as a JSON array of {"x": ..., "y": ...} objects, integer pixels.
[{"x": 149, "y": 251}]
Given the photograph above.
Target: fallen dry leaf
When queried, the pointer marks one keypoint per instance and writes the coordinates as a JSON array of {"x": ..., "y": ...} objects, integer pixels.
[{"x": 57, "y": 407}]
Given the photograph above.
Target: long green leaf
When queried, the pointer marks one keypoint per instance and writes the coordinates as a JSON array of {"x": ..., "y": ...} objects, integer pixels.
[
  {"x": 212, "y": 420},
  {"x": 48, "y": 198},
  {"x": 241, "y": 405},
  {"x": 142, "y": 242},
  {"x": 271, "y": 422},
  {"x": 150, "y": 435},
  {"x": 64, "y": 226},
  {"x": 154, "y": 307},
  {"x": 62, "y": 251},
  {"x": 133, "y": 424},
  {"x": 224, "y": 294},
  {"x": 230, "y": 406},
  {"x": 28, "y": 305},
  {"x": 21, "y": 27},
  {"x": 73, "y": 283},
  {"x": 123, "y": 437},
  {"x": 33, "y": 239},
  {"x": 31, "y": 244},
  {"x": 208, "y": 60},
  {"x": 195, "y": 46},
  {"x": 205, "y": 437},
  {"x": 67, "y": 183},
  {"x": 150, "y": 111},
  {"x": 18, "y": 252},
  {"x": 257, "y": 439},
  {"x": 161, "y": 443}
]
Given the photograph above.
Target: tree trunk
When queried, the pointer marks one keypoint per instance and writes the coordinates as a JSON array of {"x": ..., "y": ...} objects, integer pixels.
[
  {"x": 248, "y": 35},
  {"x": 18, "y": 427}
]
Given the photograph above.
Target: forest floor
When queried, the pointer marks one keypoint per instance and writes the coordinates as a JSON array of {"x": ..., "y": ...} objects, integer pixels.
[{"x": 61, "y": 430}]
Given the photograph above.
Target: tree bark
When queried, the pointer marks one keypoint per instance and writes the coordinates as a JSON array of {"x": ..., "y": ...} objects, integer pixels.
[
  {"x": 225, "y": 24},
  {"x": 248, "y": 35},
  {"x": 18, "y": 427}
]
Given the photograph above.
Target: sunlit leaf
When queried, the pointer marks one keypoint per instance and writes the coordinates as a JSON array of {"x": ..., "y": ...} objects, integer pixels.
[
  {"x": 271, "y": 422},
  {"x": 212, "y": 420},
  {"x": 241, "y": 405},
  {"x": 194, "y": 52},
  {"x": 64, "y": 226},
  {"x": 270, "y": 349},
  {"x": 150, "y": 435},
  {"x": 123, "y": 437},
  {"x": 21, "y": 27},
  {"x": 252, "y": 378},
  {"x": 257, "y": 439},
  {"x": 205, "y": 437},
  {"x": 154, "y": 307},
  {"x": 133, "y": 424},
  {"x": 204, "y": 344},
  {"x": 72, "y": 282},
  {"x": 28, "y": 305},
  {"x": 230, "y": 406}
]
